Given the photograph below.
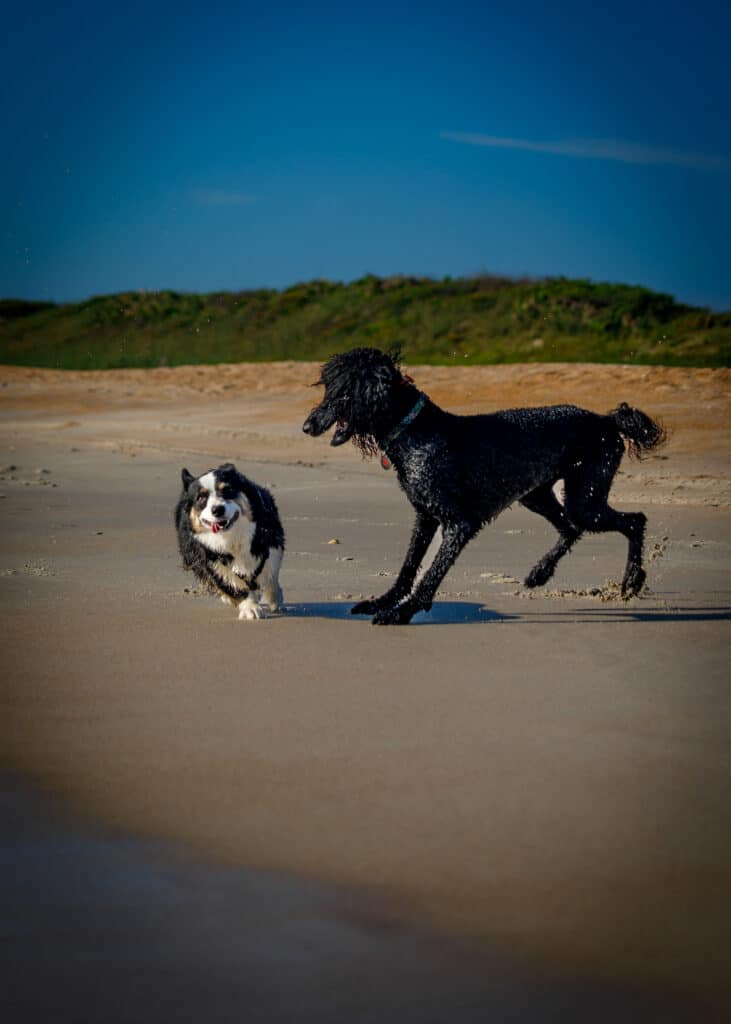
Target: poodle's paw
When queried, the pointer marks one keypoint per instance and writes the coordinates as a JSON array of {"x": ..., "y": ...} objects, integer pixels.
[
  {"x": 633, "y": 582},
  {"x": 398, "y": 616},
  {"x": 369, "y": 607},
  {"x": 538, "y": 575}
]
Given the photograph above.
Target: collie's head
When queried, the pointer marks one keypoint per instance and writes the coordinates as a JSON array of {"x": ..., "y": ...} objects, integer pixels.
[{"x": 215, "y": 500}]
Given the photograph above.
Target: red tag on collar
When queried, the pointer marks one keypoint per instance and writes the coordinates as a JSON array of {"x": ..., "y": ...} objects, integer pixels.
[{"x": 385, "y": 462}]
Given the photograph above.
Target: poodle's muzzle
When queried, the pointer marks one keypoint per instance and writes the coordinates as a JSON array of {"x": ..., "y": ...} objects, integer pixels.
[{"x": 321, "y": 419}]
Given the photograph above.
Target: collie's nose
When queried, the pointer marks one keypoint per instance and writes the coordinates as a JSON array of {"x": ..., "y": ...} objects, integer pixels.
[{"x": 218, "y": 511}]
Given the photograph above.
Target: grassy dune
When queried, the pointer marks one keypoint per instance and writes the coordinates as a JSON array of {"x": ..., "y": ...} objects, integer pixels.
[{"x": 467, "y": 320}]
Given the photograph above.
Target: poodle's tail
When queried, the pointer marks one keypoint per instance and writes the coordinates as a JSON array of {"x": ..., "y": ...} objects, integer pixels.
[{"x": 640, "y": 432}]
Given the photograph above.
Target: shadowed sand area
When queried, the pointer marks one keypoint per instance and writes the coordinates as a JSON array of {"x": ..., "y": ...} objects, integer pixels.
[{"x": 521, "y": 799}]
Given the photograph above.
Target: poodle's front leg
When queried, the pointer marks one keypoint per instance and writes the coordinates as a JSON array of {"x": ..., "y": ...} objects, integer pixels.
[
  {"x": 421, "y": 537},
  {"x": 454, "y": 538}
]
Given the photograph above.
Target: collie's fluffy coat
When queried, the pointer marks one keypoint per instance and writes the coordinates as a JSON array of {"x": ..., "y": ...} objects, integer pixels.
[
  {"x": 460, "y": 472},
  {"x": 231, "y": 537}
]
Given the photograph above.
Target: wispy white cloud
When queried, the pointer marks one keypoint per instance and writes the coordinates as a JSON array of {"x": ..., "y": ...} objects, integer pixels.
[
  {"x": 600, "y": 149},
  {"x": 221, "y": 197}
]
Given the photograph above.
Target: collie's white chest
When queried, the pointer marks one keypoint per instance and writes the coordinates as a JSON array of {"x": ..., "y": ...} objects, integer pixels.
[{"x": 235, "y": 542}]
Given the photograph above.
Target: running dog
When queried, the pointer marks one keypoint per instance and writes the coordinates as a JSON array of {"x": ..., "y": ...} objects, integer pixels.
[
  {"x": 460, "y": 472},
  {"x": 231, "y": 537}
]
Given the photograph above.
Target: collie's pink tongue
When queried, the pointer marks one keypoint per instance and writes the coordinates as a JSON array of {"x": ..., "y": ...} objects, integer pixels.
[{"x": 215, "y": 527}]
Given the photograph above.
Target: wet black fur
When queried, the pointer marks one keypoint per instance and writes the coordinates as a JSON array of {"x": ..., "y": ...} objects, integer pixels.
[
  {"x": 201, "y": 560},
  {"x": 460, "y": 472}
]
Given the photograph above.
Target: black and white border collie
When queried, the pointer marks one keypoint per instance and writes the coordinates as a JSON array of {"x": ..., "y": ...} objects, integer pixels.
[{"x": 230, "y": 535}]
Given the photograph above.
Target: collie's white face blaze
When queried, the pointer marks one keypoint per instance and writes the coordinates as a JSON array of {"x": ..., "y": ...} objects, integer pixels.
[{"x": 218, "y": 505}]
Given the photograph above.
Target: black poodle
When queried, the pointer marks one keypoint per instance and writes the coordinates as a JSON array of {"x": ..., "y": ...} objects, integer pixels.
[{"x": 460, "y": 472}]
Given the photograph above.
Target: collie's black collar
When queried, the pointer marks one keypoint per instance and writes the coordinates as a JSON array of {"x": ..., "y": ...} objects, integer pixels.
[{"x": 399, "y": 429}]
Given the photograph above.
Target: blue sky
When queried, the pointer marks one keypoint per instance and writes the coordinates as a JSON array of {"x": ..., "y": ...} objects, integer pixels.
[{"x": 212, "y": 146}]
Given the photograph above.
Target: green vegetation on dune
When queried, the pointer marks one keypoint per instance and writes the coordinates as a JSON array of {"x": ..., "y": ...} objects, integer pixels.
[{"x": 482, "y": 319}]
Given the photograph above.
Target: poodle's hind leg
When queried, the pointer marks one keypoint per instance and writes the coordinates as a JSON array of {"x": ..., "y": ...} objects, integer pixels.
[
  {"x": 544, "y": 502},
  {"x": 587, "y": 491},
  {"x": 421, "y": 537},
  {"x": 545, "y": 567},
  {"x": 633, "y": 527}
]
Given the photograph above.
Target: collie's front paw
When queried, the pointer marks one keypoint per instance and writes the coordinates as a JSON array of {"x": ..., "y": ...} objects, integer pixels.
[{"x": 250, "y": 610}]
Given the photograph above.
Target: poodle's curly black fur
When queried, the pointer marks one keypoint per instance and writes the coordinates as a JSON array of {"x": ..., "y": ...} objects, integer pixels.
[{"x": 460, "y": 472}]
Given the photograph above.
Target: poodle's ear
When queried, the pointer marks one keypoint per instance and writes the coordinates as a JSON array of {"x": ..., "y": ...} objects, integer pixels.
[
  {"x": 187, "y": 479},
  {"x": 395, "y": 353},
  {"x": 380, "y": 383}
]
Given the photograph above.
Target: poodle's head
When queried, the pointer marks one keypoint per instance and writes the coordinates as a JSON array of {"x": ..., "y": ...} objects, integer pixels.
[{"x": 364, "y": 391}]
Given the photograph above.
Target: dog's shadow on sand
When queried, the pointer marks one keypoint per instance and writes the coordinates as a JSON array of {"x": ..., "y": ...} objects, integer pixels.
[
  {"x": 452, "y": 613},
  {"x": 442, "y": 613}
]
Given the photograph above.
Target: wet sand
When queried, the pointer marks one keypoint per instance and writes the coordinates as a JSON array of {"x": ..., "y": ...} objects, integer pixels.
[
  {"x": 103, "y": 927},
  {"x": 541, "y": 776}
]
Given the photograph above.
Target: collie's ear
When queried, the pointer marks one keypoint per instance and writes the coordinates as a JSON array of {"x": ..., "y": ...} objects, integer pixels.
[
  {"x": 187, "y": 478},
  {"x": 229, "y": 474}
]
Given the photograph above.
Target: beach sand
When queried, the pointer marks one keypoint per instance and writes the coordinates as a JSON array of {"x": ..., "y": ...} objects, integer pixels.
[{"x": 541, "y": 776}]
